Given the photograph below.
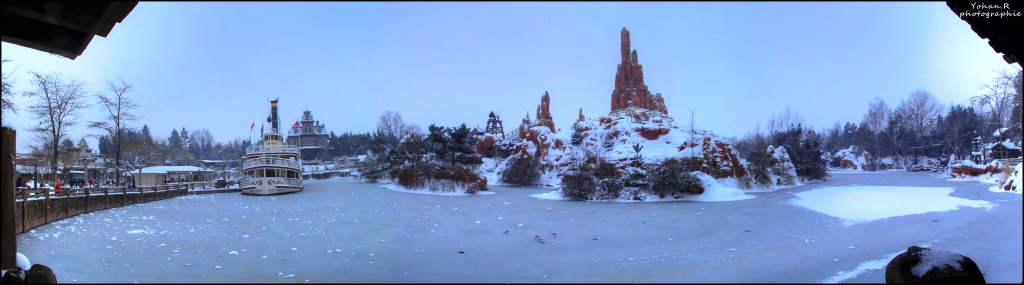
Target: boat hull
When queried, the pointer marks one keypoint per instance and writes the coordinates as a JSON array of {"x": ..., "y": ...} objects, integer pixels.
[{"x": 270, "y": 186}]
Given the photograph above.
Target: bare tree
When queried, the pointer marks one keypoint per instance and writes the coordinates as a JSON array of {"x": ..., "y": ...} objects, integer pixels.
[
  {"x": 414, "y": 128},
  {"x": 877, "y": 120},
  {"x": 119, "y": 112},
  {"x": 783, "y": 121},
  {"x": 895, "y": 130},
  {"x": 998, "y": 97},
  {"x": 1015, "y": 116},
  {"x": 136, "y": 153},
  {"x": 7, "y": 103},
  {"x": 58, "y": 101},
  {"x": 693, "y": 130},
  {"x": 391, "y": 123},
  {"x": 920, "y": 110}
]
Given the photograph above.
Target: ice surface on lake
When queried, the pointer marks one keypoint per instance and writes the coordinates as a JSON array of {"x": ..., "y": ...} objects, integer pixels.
[
  {"x": 857, "y": 204},
  {"x": 377, "y": 235}
]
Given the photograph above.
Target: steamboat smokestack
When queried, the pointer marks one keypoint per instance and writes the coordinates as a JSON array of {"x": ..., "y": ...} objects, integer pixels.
[{"x": 273, "y": 115}]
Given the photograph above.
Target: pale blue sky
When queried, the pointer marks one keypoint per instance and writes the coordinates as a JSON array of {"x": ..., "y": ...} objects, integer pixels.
[{"x": 215, "y": 65}]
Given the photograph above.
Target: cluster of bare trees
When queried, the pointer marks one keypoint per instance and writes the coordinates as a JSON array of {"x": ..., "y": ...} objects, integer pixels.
[
  {"x": 392, "y": 125},
  {"x": 921, "y": 125},
  {"x": 57, "y": 102},
  {"x": 118, "y": 107},
  {"x": 918, "y": 125},
  {"x": 6, "y": 102}
]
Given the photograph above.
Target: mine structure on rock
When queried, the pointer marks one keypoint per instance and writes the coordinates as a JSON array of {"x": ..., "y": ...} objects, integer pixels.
[
  {"x": 494, "y": 125},
  {"x": 630, "y": 90}
]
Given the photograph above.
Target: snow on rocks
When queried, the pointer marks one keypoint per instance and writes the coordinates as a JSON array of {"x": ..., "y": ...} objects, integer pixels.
[
  {"x": 1010, "y": 182},
  {"x": 936, "y": 259},
  {"x": 851, "y": 159},
  {"x": 23, "y": 262}
]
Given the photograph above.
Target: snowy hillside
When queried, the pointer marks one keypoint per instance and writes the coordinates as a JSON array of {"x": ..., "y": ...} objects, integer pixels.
[{"x": 617, "y": 137}]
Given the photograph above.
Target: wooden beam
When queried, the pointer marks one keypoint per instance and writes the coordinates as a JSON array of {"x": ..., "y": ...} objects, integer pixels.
[
  {"x": 8, "y": 238},
  {"x": 42, "y": 36},
  {"x": 61, "y": 28},
  {"x": 56, "y": 14},
  {"x": 116, "y": 12}
]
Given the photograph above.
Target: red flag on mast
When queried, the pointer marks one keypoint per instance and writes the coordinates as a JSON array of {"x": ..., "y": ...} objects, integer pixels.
[
  {"x": 296, "y": 125},
  {"x": 253, "y": 126}
]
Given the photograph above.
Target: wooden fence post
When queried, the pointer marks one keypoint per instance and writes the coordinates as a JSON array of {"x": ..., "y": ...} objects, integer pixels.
[
  {"x": 8, "y": 244},
  {"x": 24, "y": 210},
  {"x": 46, "y": 205},
  {"x": 67, "y": 203}
]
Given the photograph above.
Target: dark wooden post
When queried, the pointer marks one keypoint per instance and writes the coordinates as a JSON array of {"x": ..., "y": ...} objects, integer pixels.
[
  {"x": 86, "y": 200},
  {"x": 46, "y": 206},
  {"x": 24, "y": 210},
  {"x": 67, "y": 203},
  {"x": 8, "y": 245}
]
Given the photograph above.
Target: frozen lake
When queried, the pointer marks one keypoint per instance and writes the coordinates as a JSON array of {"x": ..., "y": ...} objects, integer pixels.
[{"x": 345, "y": 231}]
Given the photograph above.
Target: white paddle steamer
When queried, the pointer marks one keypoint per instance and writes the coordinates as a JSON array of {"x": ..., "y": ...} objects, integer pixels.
[{"x": 271, "y": 167}]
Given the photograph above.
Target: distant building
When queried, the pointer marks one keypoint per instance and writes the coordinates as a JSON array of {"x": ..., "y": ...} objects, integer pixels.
[
  {"x": 1003, "y": 150},
  {"x": 84, "y": 164},
  {"x": 310, "y": 136},
  {"x": 163, "y": 175}
]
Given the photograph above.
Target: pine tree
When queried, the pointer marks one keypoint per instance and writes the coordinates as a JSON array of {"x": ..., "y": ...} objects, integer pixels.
[
  {"x": 145, "y": 134},
  {"x": 175, "y": 139}
]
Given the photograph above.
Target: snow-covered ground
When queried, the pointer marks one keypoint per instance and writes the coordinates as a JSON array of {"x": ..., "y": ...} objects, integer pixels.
[{"x": 338, "y": 230}]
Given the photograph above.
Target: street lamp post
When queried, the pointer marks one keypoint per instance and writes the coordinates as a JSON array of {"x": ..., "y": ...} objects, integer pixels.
[
  {"x": 95, "y": 171},
  {"x": 35, "y": 179},
  {"x": 140, "y": 176}
]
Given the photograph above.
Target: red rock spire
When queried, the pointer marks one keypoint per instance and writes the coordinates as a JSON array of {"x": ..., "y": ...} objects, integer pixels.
[
  {"x": 630, "y": 90},
  {"x": 544, "y": 112}
]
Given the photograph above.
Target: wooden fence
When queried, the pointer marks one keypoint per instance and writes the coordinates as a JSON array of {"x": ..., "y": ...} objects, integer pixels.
[{"x": 37, "y": 207}]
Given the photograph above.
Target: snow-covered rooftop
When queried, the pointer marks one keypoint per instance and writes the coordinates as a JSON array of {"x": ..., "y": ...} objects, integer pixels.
[
  {"x": 999, "y": 131},
  {"x": 167, "y": 169},
  {"x": 1010, "y": 145}
]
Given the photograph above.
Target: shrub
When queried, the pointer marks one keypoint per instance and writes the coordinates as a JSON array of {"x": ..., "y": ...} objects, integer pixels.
[
  {"x": 871, "y": 166},
  {"x": 521, "y": 170},
  {"x": 476, "y": 187},
  {"x": 372, "y": 170},
  {"x": 759, "y": 165},
  {"x": 636, "y": 176},
  {"x": 689, "y": 164},
  {"x": 745, "y": 182},
  {"x": 783, "y": 172},
  {"x": 577, "y": 135},
  {"x": 412, "y": 176},
  {"x": 608, "y": 188},
  {"x": 578, "y": 186},
  {"x": 605, "y": 170},
  {"x": 436, "y": 177},
  {"x": 670, "y": 178}
]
